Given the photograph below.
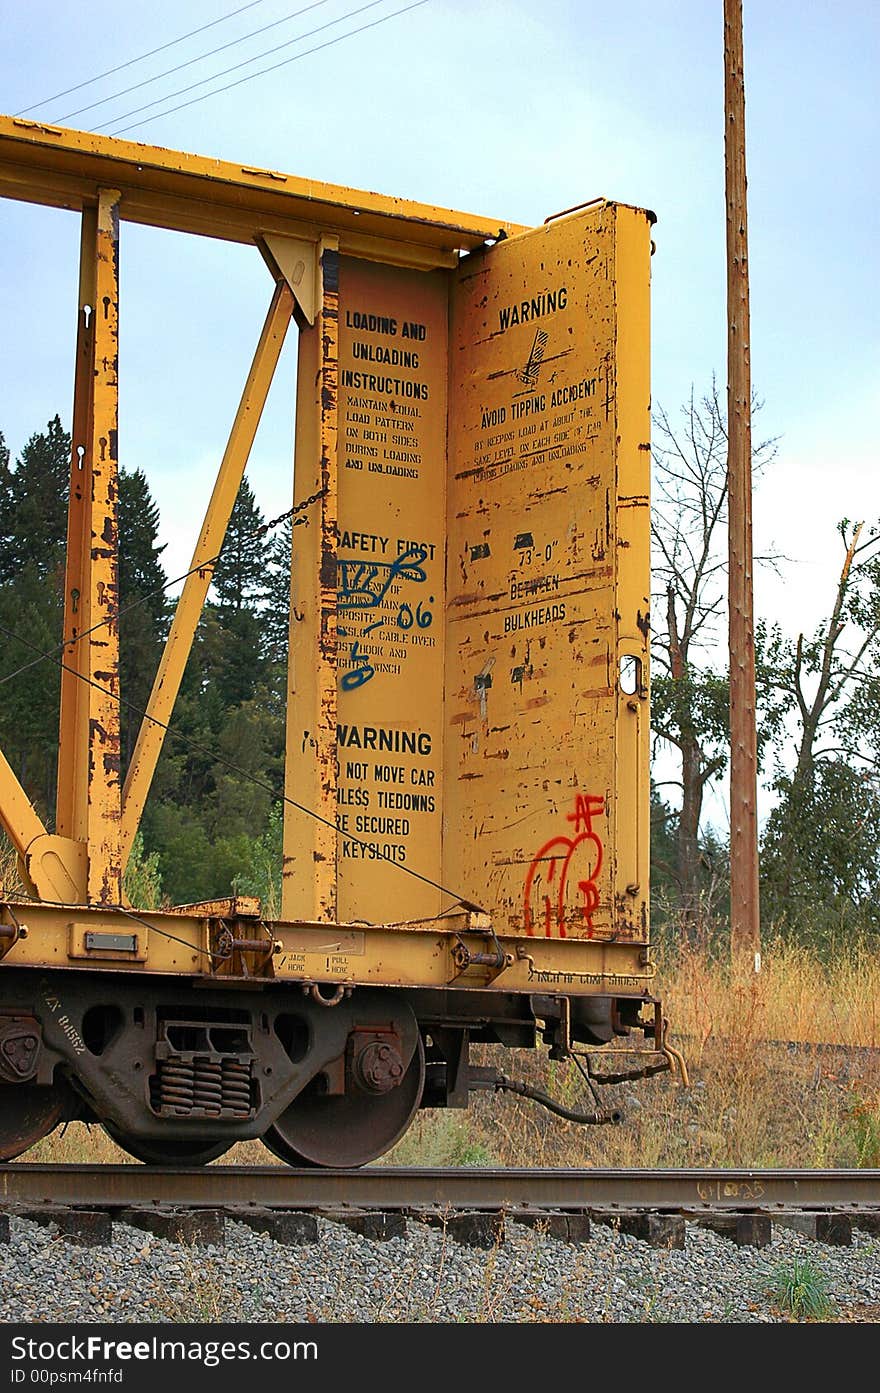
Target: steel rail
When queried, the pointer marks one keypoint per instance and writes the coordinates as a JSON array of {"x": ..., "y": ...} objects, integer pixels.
[{"x": 404, "y": 1189}]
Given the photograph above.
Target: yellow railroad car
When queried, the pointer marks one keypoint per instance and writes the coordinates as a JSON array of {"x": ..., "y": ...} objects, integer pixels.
[{"x": 466, "y": 781}]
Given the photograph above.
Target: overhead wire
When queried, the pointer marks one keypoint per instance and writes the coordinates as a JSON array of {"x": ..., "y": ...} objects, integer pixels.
[
  {"x": 141, "y": 58},
  {"x": 271, "y": 69},
  {"x": 190, "y": 62},
  {"x": 244, "y": 773}
]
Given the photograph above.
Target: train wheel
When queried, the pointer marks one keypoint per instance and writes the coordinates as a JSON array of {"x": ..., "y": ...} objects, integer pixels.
[
  {"x": 168, "y": 1153},
  {"x": 350, "y": 1130},
  {"x": 27, "y": 1114}
]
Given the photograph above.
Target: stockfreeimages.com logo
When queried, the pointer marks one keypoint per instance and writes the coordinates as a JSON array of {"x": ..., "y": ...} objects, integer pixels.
[{"x": 94, "y": 1349}]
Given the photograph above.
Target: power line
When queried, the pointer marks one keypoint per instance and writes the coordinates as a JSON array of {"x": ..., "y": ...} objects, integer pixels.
[
  {"x": 235, "y": 67},
  {"x": 200, "y": 58},
  {"x": 330, "y": 42},
  {"x": 141, "y": 57},
  {"x": 244, "y": 774}
]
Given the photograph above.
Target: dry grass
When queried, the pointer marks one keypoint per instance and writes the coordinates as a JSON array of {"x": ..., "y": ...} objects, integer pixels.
[
  {"x": 795, "y": 997},
  {"x": 753, "y": 1101},
  {"x": 10, "y": 880},
  {"x": 81, "y": 1144}
]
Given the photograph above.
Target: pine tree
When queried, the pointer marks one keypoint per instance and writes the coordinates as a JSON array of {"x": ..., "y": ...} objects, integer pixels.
[
  {"x": 239, "y": 574},
  {"x": 33, "y": 511},
  {"x": 142, "y": 600},
  {"x": 33, "y": 529},
  {"x": 5, "y": 502},
  {"x": 236, "y": 663},
  {"x": 276, "y": 615}
]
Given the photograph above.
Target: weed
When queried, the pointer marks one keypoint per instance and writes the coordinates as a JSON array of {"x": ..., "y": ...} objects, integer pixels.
[
  {"x": 467, "y": 1152},
  {"x": 864, "y": 1132},
  {"x": 800, "y": 1289},
  {"x": 200, "y": 1294}
]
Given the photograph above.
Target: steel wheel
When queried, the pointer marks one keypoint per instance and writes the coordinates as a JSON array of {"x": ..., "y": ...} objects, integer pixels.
[
  {"x": 349, "y": 1130},
  {"x": 27, "y": 1114},
  {"x": 172, "y": 1152}
]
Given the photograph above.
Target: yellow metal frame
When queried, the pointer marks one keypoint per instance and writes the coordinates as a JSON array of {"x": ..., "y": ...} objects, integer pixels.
[{"x": 305, "y": 231}]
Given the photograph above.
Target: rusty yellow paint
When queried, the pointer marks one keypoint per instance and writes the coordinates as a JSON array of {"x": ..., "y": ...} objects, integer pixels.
[
  {"x": 215, "y": 198},
  {"x": 421, "y": 954},
  {"x": 73, "y": 740},
  {"x": 632, "y": 579},
  {"x": 309, "y": 879},
  {"x": 391, "y": 587},
  {"x": 88, "y": 798},
  {"x": 546, "y": 459},
  {"x": 84, "y": 943},
  {"x": 195, "y": 590},
  {"x": 56, "y": 868},
  {"x": 17, "y": 813}
]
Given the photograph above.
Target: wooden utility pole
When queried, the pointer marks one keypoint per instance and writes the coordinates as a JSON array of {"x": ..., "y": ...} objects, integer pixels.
[{"x": 745, "y": 933}]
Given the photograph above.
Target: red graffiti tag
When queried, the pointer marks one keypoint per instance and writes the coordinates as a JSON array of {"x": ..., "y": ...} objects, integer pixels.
[{"x": 555, "y": 857}]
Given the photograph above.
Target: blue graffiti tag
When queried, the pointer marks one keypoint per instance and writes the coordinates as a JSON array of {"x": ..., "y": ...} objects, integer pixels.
[{"x": 364, "y": 585}]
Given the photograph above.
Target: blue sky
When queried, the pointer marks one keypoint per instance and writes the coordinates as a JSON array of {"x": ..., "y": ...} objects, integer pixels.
[{"x": 515, "y": 110}]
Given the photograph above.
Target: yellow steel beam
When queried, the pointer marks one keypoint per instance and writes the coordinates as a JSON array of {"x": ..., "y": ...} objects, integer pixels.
[
  {"x": 52, "y": 868},
  {"x": 191, "y": 193},
  {"x": 17, "y": 813},
  {"x": 88, "y": 801},
  {"x": 426, "y": 953},
  {"x": 311, "y": 771},
  {"x": 103, "y": 793},
  {"x": 73, "y": 736},
  {"x": 195, "y": 590}
]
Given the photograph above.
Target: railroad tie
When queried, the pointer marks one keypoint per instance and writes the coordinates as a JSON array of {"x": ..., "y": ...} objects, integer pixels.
[
  {"x": 88, "y": 1228},
  {"x": 479, "y": 1228},
  {"x": 658, "y": 1230},
  {"x": 868, "y": 1223},
  {"x": 569, "y": 1228},
  {"x": 198, "y": 1227},
  {"x": 746, "y": 1230},
  {"x": 377, "y": 1224},
  {"x": 824, "y": 1227},
  {"x": 291, "y": 1227}
]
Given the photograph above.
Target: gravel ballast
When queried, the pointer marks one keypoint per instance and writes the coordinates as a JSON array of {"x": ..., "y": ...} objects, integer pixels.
[{"x": 425, "y": 1276}]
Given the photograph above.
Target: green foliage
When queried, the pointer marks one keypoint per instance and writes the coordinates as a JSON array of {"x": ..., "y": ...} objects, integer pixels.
[
  {"x": 713, "y": 883},
  {"x": 821, "y": 852},
  {"x": 239, "y": 574},
  {"x": 466, "y": 1151},
  {"x": 33, "y": 527},
  {"x": 264, "y": 877},
  {"x": 276, "y": 615},
  {"x": 821, "y": 845},
  {"x": 863, "y": 1132},
  {"x": 30, "y": 624},
  {"x": 695, "y": 704},
  {"x": 142, "y": 881},
  {"x": 33, "y": 505},
  {"x": 801, "y": 1290},
  {"x": 193, "y": 864},
  {"x": 143, "y": 602}
]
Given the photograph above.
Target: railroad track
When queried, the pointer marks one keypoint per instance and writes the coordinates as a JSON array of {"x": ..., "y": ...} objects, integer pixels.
[{"x": 192, "y": 1205}]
